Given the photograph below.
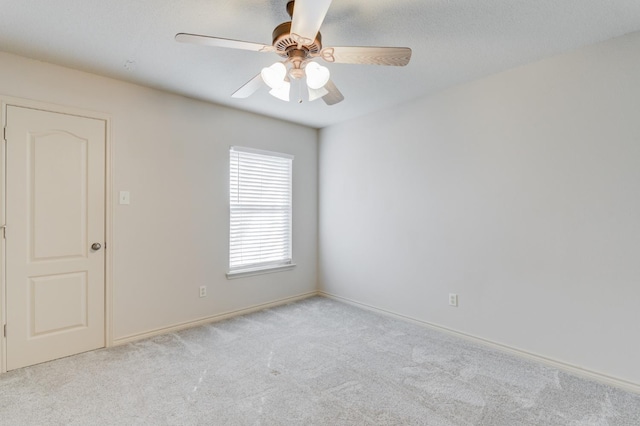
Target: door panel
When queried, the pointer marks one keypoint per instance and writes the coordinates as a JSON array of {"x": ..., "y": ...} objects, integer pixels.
[
  {"x": 54, "y": 212},
  {"x": 58, "y": 182},
  {"x": 70, "y": 310}
]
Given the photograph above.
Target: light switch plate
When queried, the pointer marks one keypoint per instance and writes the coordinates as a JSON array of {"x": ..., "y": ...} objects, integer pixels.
[{"x": 124, "y": 197}]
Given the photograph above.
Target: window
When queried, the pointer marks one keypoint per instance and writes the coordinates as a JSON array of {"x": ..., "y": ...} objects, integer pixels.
[{"x": 260, "y": 211}]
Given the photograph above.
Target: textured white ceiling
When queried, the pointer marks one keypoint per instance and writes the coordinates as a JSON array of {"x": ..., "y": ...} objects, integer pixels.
[{"x": 452, "y": 41}]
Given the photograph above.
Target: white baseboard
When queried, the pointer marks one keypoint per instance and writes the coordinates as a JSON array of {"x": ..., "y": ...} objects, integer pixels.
[
  {"x": 569, "y": 368},
  {"x": 207, "y": 320}
]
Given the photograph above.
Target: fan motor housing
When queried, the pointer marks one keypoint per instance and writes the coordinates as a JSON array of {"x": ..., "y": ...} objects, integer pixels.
[{"x": 283, "y": 42}]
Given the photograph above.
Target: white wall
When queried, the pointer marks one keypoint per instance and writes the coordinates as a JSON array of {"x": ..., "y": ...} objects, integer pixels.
[
  {"x": 520, "y": 192},
  {"x": 172, "y": 154}
]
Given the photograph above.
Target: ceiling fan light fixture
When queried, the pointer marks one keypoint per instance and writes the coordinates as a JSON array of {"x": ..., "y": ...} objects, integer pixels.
[
  {"x": 317, "y": 75},
  {"x": 281, "y": 92},
  {"x": 299, "y": 42},
  {"x": 274, "y": 76}
]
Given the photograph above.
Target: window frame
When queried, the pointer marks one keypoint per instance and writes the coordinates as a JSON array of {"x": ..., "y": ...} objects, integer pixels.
[{"x": 257, "y": 268}]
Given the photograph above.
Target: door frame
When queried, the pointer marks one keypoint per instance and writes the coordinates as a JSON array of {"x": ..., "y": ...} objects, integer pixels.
[{"x": 6, "y": 101}]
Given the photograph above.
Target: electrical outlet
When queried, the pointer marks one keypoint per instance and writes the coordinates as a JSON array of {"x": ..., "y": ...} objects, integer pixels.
[
  {"x": 203, "y": 291},
  {"x": 453, "y": 299}
]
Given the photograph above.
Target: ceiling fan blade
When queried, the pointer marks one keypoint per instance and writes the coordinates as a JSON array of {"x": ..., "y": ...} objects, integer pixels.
[
  {"x": 249, "y": 88},
  {"x": 395, "y": 56},
  {"x": 334, "y": 96},
  {"x": 223, "y": 42},
  {"x": 307, "y": 19}
]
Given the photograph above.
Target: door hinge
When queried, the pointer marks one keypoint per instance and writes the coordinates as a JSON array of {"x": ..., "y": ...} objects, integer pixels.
[
  {"x": 4, "y": 134},
  {"x": 4, "y": 231},
  {"x": 5, "y": 330}
]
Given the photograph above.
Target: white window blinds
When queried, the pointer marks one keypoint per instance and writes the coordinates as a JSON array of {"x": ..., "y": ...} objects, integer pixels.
[{"x": 260, "y": 209}]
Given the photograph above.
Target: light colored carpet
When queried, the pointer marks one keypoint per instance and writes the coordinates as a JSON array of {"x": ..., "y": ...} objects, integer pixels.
[{"x": 315, "y": 362}]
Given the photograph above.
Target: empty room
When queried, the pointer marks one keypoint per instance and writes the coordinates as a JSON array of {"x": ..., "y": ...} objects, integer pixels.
[{"x": 320, "y": 212}]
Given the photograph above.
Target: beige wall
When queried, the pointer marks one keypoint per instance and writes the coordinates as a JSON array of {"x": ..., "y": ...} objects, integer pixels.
[
  {"x": 520, "y": 192},
  {"x": 171, "y": 153}
]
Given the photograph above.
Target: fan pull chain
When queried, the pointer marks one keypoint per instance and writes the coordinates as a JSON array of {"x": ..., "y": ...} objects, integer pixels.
[{"x": 299, "y": 90}]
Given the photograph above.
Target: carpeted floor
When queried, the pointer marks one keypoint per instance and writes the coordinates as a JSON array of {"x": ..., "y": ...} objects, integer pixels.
[{"x": 315, "y": 362}]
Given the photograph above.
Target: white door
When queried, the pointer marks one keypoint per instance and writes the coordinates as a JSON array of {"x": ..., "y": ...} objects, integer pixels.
[{"x": 55, "y": 211}]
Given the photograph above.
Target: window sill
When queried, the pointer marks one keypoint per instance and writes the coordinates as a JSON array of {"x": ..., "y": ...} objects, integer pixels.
[{"x": 240, "y": 273}]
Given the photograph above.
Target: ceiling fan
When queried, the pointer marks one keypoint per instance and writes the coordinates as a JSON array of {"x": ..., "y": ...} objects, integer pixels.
[{"x": 299, "y": 42}]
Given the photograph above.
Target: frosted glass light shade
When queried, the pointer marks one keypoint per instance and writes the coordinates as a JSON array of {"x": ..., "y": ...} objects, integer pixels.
[
  {"x": 274, "y": 75},
  {"x": 281, "y": 92},
  {"x": 316, "y": 93},
  {"x": 317, "y": 75}
]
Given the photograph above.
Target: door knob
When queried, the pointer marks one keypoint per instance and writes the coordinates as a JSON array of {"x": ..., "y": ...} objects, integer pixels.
[{"x": 96, "y": 246}]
